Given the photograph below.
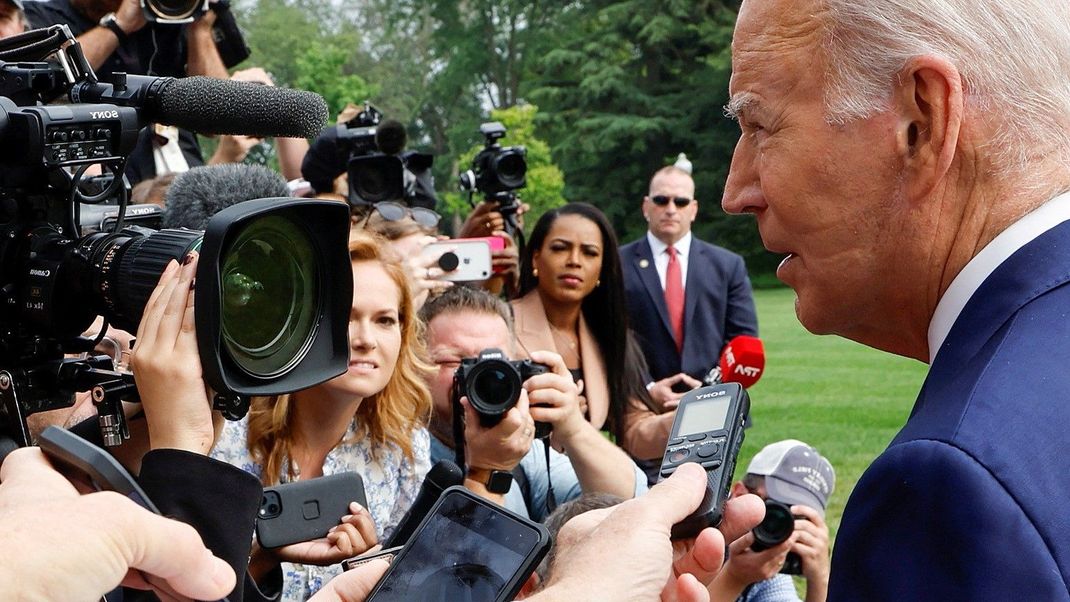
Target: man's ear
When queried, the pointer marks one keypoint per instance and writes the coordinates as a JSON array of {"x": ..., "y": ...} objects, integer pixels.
[{"x": 930, "y": 104}]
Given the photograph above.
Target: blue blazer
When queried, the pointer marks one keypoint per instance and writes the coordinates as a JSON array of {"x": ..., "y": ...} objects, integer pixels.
[
  {"x": 971, "y": 500},
  {"x": 718, "y": 306}
]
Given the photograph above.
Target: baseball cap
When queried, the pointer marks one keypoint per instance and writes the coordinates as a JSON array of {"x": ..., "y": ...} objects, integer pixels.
[{"x": 795, "y": 473}]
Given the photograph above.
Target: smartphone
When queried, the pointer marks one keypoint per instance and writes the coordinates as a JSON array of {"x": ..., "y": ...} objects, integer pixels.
[
  {"x": 467, "y": 548},
  {"x": 708, "y": 430},
  {"x": 463, "y": 259},
  {"x": 91, "y": 464},
  {"x": 306, "y": 510}
]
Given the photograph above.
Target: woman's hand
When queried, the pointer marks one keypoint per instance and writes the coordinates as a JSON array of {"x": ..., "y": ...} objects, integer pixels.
[
  {"x": 167, "y": 365},
  {"x": 352, "y": 536}
]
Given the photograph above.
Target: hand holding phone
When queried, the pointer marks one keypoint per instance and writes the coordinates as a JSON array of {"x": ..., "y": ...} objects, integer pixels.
[
  {"x": 465, "y": 259},
  {"x": 303, "y": 511},
  {"x": 466, "y": 549},
  {"x": 708, "y": 430}
]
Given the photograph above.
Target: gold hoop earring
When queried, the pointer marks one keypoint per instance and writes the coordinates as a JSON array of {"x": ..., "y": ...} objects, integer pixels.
[{"x": 535, "y": 272}]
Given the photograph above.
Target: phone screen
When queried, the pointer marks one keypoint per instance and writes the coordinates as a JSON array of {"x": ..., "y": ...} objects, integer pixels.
[{"x": 466, "y": 550}]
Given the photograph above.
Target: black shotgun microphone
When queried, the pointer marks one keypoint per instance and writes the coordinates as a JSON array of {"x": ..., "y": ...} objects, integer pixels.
[
  {"x": 212, "y": 106},
  {"x": 442, "y": 475}
]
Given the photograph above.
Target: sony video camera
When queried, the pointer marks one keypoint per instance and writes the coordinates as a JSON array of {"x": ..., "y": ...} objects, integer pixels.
[
  {"x": 498, "y": 172},
  {"x": 272, "y": 315},
  {"x": 493, "y": 383}
]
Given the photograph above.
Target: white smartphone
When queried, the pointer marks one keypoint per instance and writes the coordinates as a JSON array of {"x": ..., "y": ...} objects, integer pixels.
[{"x": 462, "y": 259}]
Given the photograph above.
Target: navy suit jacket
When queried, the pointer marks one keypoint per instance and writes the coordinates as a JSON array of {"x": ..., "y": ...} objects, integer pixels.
[
  {"x": 718, "y": 306},
  {"x": 971, "y": 501}
]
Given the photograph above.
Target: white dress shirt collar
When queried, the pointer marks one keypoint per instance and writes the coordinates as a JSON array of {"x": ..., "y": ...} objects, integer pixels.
[
  {"x": 657, "y": 247},
  {"x": 966, "y": 283}
]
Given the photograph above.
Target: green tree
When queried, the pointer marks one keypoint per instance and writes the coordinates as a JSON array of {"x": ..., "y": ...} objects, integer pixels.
[
  {"x": 322, "y": 69},
  {"x": 630, "y": 85}
]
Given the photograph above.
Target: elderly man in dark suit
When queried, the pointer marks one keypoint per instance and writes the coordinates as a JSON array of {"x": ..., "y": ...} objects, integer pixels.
[
  {"x": 912, "y": 161},
  {"x": 686, "y": 298}
]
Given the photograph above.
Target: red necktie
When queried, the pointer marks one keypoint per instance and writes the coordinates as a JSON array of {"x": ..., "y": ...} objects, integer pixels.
[{"x": 674, "y": 297}]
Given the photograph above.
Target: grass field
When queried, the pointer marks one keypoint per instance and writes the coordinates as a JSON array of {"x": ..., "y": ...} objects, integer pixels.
[{"x": 845, "y": 399}]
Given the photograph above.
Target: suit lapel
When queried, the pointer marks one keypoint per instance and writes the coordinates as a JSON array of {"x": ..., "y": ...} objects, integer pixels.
[
  {"x": 649, "y": 277},
  {"x": 694, "y": 283}
]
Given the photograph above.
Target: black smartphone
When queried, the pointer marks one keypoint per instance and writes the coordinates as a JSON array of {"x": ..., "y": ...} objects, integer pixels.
[
  {"x": 708, "y": 429},
  {"x": 90, "y": 464},
  {"x": 306, "y": 510},
  {"x": 466, "y": 549}
]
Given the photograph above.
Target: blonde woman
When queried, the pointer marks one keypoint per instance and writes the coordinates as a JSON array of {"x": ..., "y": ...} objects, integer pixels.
[{"x": 370, "y": 420}]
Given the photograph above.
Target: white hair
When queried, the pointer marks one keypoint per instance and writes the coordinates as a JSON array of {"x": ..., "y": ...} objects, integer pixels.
[{"x": 1013, "y": 56}]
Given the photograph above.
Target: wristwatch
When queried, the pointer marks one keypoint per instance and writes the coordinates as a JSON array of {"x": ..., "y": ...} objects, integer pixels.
[
  {"x": 496, "y": 481},
  {"x": 109, "y": 21}
]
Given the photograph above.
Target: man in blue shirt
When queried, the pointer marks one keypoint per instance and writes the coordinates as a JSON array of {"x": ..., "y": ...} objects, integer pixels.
[{"x": 506, "y": 463}]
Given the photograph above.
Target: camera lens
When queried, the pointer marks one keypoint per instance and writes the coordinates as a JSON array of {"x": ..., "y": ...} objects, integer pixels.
[
  {"x": 775, "y": 528},
  {"x": 173, "y": 9},
  {"x": 493, "y": 387},
  {"x": 270, "y": 298},
  {"x": 511, "y": 168}
]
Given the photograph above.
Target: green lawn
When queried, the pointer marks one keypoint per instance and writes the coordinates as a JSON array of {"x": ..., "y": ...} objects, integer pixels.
[{"x": 845, "y": 399}]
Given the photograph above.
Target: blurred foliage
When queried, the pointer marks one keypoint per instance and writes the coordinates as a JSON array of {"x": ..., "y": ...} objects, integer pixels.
[{"x": 622, "y": 87}]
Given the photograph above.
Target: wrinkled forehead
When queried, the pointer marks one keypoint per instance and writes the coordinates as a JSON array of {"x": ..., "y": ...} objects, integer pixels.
[{"x": 787, "y": 33}]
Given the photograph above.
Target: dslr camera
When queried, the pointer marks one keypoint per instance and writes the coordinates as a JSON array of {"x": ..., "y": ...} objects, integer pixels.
[
  {"x": 493, "y": 383},
  {"x": 173, "y": 11},
  {"x": 775, "y": 529},
  {"x": 498, "y": 172}
]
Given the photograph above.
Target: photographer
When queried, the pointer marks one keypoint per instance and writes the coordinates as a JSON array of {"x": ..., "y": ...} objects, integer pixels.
[
  {"x": 507, "y": 463},
  {"x": 116, "y": 37},
  {"x": 792, "y": 473}
]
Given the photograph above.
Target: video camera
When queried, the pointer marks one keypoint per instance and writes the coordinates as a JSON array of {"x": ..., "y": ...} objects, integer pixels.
[
  {"x": 270, "y": 316},
  {"x": 379, "y": 167},
  {"x": 493, "y": 384},
  {"x": 498, "y": 172}
]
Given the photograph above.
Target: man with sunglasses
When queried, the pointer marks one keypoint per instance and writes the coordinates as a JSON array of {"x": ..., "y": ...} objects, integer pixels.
[{"x": 686, "y": 298}]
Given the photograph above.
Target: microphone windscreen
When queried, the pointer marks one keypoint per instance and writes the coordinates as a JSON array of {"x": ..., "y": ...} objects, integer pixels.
[
  {"x": 198, "y": 194},
  {"x": 390, "y": 137},
  {"x": 218, "y": 106},
  {"x": 743, "y": 361}
]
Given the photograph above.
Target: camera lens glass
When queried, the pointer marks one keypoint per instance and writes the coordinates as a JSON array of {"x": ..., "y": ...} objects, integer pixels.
[
  {"x": 494, "y": 387},
  {"x": 511, "y": 169},
  {"x": 777, "y": 526},
  {"x": 270, "y": 296},
  {"x": 173, "y": 9}
]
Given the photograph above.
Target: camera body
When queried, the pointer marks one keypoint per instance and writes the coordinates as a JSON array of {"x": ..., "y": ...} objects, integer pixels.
[
  {"x": 775, "y": 529},
  {"x": 496, "y": 169},
  {"x": 493, "y": 384},
  {"x": 173, "y": 11},
  {"x": 708, "y": 430}
]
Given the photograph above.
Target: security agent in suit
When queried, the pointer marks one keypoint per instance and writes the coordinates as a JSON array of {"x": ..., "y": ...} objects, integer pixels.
[
  {"x": 922, "y": 201},
  {"x": 682, "y": 335}
]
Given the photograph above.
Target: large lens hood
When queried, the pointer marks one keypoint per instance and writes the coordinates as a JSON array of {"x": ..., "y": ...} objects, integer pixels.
[{"x": 321, "y": 248}]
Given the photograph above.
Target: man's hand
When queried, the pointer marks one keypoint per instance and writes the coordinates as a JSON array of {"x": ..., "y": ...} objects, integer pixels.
[
  {"x": 624, "y": 553},
  {"x": 130, "y": 17},
  {"x": 555, "y": 398},
  {"x": 502, "y": 446},
  {"x": 745, "y": 566},
  {"x": 663, "y": 394},
  {"x": 58, "y": 545},
  {"x": 485, "y": 220},
  {"x": 254, "y": 75},
  {"x": 811, "y": 543}
]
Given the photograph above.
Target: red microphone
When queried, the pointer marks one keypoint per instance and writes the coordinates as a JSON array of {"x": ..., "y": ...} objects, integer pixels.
[{"x": 742, "y": 361}]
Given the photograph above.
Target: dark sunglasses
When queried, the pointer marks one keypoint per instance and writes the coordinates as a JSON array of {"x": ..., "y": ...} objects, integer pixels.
[
  {"x": 662, "y": 200},
  {"x": 392, "y": 212}
]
